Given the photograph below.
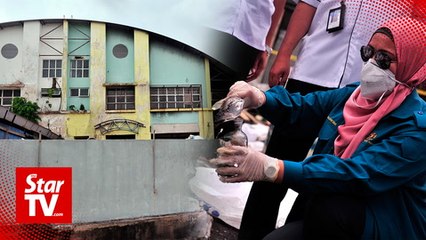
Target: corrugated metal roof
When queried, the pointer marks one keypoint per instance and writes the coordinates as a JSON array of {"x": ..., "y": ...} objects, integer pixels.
[{"x": 26, "y": 124}]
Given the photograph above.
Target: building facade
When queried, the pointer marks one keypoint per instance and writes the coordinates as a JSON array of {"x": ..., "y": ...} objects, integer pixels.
[{"x": 106, "y": 81}]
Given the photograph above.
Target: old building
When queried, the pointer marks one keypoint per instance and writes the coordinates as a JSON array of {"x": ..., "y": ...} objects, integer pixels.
[
  {"x": 106, "y": 81},
  {"x": 116, "y": 70}
]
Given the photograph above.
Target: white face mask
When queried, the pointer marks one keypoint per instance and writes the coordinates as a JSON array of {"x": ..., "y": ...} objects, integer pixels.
[{"x": 376, "y": 83}]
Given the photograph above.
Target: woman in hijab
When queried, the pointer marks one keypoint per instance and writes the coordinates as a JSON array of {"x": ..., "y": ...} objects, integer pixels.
[{"x": 366, "y": 178}]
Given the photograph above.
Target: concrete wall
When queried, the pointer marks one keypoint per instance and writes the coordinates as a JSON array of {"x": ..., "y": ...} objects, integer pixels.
[{"x": 115, "y": 179}]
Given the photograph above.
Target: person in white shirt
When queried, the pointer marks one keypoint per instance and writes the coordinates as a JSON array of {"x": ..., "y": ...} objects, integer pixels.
[
  {"x": 336, "y": 50},
  {"x": 254, "y": 24}
]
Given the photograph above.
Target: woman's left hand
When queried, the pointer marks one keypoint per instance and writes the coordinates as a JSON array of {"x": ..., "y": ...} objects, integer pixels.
[{"x": 242, "y": 164}]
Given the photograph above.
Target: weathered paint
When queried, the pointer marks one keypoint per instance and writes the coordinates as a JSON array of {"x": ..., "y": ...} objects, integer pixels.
[
  {"x": 30, "y": 58},
  {"x": 172, "y": 66},
  {"x": 206, "y": 124},
  {"x": 97, "y": 74},
  {"x": 82, "y": 124},
  {"x": 179, "y": 117},
  {"x": 51, "y": 45},
  {"x": 183, "y": 128},
  {"x": 78, "y": 101},
  {"x": 56, "y": 122},
  {"x": 141, "y": 68},
  {"x": 119, "y": 70},
  {"x": 208, "y": 91},
  {"x": 65, "y": 66},
  {"x": 11, "y": 69},
  {"x": 78, "y": 35},
  {"x": 117, "y": 179},
  {"x": 78, "y": 46},
  {"x": 79, "y": 125}
]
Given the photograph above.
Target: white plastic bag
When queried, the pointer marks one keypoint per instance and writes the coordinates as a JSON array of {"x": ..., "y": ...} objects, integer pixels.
[{"x": 225, "y": 200}]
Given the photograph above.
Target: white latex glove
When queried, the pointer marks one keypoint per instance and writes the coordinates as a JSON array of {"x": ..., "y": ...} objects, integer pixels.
[
  {"x": 253, "y": 97},
  {"x": 242, "y": 164}
]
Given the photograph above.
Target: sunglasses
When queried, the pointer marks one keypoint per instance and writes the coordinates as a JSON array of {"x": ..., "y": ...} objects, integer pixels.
[{"x": 381, "y": 57}]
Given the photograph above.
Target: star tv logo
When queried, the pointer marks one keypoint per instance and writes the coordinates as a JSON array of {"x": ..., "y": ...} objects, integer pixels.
[{"x": 44, "y": 195}]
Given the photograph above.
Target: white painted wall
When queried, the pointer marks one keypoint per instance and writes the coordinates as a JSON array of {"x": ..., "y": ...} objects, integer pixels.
[
  {"x": 52, "y": 41},
  {"x": 29, "y": 65},
  {"x": 11, "y": 69},
  {"x": 55, "y": 122}
]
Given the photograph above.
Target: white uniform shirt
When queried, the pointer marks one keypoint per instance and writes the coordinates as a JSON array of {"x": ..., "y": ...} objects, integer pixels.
[
  {"x": 247, "y": 20},
  {"x": 333, "y": 59}
]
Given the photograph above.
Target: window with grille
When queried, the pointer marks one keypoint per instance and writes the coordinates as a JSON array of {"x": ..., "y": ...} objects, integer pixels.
[
  {"x": 120, "y": 98},
  {"x": 52, "y": 68},
  {"x": 79, "y": 68},
  {"x": 176, "y": 97},
  {"x": 79, "y": 92},
  {"x": 7, "y": 95}
]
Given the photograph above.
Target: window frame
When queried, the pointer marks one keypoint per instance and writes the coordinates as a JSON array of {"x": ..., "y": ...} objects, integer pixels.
[
  {"x": 176, "y": 97},
  {"x": 76, "y": 68},
  {"x": 79, "y": 92},
  {"x": 2, "y": 97},
  {"x": 121, "y": 97},
  {"x": 48, "y": 69}
]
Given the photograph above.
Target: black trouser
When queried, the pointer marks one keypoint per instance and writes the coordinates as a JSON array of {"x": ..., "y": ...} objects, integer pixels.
[
  {"x": 261, "y": 211},
  {"x": 326, "y": 217},
  {"x": 236, "y": 55}
]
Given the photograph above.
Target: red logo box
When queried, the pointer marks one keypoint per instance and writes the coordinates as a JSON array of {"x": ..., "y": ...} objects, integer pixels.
[{"x": 44, "y": 195}]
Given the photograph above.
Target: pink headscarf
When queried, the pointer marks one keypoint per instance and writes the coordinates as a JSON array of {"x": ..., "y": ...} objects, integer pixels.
[{"x": 409, "y": 36}]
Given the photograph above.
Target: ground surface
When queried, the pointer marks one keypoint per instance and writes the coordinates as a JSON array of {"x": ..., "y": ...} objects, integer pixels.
[{"x": 222, "y": 231}]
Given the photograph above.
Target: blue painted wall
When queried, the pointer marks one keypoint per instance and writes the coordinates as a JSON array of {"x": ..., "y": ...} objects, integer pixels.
[
  {"x": 119, "y": 70},
  {"x": 171, "y": 66},
  {"x": 78, "y": 46}
]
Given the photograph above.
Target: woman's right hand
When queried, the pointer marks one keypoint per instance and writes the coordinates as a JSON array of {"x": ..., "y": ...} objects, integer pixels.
[{"x": 253, "y": 97}]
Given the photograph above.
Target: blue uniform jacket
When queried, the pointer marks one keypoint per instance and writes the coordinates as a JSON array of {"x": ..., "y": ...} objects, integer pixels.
[{"x": 387, "y": 169}]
